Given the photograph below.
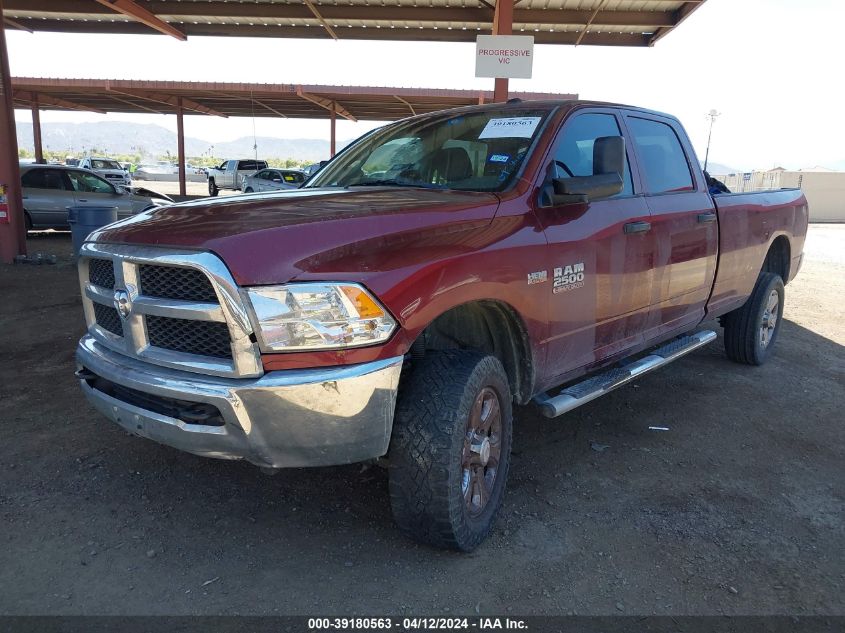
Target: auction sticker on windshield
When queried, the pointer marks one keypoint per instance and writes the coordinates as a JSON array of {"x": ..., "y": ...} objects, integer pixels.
[{"x": 512, "y": 127}]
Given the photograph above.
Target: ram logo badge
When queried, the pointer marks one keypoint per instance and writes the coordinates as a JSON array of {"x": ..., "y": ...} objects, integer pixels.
[{"x": 569, "y": 278}]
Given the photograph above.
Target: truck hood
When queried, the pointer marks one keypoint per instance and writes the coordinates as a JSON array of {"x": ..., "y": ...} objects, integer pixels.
[{"x": 312, "y": 233}]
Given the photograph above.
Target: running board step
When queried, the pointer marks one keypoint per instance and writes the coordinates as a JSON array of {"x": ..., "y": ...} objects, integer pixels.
[{"x": 596, "y": 386}]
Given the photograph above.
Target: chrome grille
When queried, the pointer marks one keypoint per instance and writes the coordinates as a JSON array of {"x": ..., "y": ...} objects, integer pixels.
[
  {"x": 184, "y": 309},
  {"x": 205, "y": 338},
  {"x": 170, "y": 282},
  {"x": 108, "y": 319},
  {"x": 101, "y": 273}
]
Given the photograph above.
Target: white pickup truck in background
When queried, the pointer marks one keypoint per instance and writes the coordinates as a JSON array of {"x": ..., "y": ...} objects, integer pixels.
[
  {"x": 108, "y": 168},
  {"x": 230, "y": 174}
]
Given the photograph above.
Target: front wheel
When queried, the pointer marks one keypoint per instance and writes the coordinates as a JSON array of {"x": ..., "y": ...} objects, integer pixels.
[
  {"x": 751, "y": 331},
  {"x": 450, "y": 449},
  {"x": 248, "y": 190},
  {"x": 212, "y": 188}
]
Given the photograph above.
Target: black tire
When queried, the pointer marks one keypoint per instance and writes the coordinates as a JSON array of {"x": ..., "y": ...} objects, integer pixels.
[
  {"x": 27, "y": 220},
  {"x": 745, "y": 341},
  {"x": 212, "y": 188},
  {"x": 248, "y": 190},
  {"x": 428, "y": 449}
]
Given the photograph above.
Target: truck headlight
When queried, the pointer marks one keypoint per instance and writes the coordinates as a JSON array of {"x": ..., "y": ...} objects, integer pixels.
[{"x": 316, "y": 316}]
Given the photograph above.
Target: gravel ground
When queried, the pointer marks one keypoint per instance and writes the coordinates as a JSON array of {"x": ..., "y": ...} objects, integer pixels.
[{"x": 736, "y": 509}]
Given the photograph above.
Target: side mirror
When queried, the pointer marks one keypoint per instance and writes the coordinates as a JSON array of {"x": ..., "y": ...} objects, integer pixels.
[{"x": 606, "y": 181}]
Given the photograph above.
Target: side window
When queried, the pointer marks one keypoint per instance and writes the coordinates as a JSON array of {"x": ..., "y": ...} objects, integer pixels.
[
  {"x": 89, "y": 183},
  {"x": 293, "y": 177},
  {"x": 263, "y": 175},
  {"x": 43, "y": 179},
  {"x": 662, "y": 156},
  {"x": 574, "y": 152}
]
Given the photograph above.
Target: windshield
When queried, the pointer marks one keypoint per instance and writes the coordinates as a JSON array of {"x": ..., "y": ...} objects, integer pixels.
[
  {"x": 104, "y": 164},
  {"x": 477, "y": 151}
]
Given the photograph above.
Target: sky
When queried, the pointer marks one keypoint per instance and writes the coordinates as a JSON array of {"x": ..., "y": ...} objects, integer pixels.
[{"x": 772, "y": 68}]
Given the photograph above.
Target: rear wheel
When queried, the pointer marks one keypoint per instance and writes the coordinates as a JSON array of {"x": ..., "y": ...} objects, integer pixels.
[
  {"x": 248, "y": 190},
  {"x": 751, "y": 331},
  {"x": 212, "y": 188},
  {"x": 450, "y": 449}
]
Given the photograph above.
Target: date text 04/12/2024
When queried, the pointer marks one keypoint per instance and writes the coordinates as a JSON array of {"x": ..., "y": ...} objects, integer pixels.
[{"x": 416, "y": 624}]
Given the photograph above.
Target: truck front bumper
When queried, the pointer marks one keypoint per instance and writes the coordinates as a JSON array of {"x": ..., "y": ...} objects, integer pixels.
[{"x": 305, "y": 417}]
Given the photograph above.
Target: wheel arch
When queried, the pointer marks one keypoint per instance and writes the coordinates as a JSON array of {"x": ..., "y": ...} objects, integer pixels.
[
  {"x": 489, "y": 325},
  {"x": 778, "y": 258}
]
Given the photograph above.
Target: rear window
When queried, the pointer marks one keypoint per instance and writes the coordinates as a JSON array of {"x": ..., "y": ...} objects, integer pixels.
[
  {"x": 293, "y": 177},
  {"x": 251, "y": 165},
  {"x": 43, "y": 179},
  {"x": 662, "y": 156}
]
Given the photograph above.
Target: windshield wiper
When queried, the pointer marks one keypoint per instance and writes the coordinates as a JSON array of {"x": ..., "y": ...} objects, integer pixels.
[{"x": 392, "y": 182}]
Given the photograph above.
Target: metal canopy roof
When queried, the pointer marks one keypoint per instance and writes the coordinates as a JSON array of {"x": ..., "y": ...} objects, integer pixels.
[
  {"x": 586, "y": 22},
  {"x": 246, "y": 100}
]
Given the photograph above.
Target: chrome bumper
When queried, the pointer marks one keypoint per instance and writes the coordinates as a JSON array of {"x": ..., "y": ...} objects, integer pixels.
[{"x": 303, "y": 417}]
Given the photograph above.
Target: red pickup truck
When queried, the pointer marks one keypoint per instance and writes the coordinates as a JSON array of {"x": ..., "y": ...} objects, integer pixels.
[{"x": 432, "y": 275}]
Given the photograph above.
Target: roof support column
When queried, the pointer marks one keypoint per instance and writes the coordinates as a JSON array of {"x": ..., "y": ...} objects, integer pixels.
[
  {"x": 180, "y": 147},
  {"x": 502, "y": 25},
  {"x": 333, "y": 141},
  {"x": 12, "y": 227},
  {"x": 36, "y": 129}
]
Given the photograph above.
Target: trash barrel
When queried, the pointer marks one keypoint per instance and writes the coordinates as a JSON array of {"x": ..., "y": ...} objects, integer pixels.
[{"x": 84, "y": 220}]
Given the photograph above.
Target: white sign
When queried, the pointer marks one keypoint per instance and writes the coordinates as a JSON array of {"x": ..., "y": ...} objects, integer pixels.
[
  {"x": 504, "y": 56},
  {"x": 511, "y": 127}
]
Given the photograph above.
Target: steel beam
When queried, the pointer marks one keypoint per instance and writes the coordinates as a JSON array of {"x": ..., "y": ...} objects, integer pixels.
[
  {"x": 333, "y": 135},
  {"x": 36, "y": 131},
  {"x": 138, "y": 13},
  {"x": 47, "y": 100},
  {"x": 502, "y": 25},
  {"x": 410, "y": 107},
  {"x": 170, "y": 100},
  {"x": 180, "y": 147},
  {"x": 17, "y": 25},
  {"x": 322, "y": 20},
  {"x": 679, "y": 16},
  {"x": 13, "y": 229},
  {"x": 332, "y": 106}
]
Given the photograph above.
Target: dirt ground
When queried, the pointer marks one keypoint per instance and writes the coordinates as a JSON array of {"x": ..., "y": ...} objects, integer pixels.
[{"x": 736, "y": 509}]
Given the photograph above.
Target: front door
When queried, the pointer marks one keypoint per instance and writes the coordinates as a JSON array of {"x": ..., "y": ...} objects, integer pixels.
[
  {"x": 89, "y": 190},
  {"x": 600, "y": 258}
]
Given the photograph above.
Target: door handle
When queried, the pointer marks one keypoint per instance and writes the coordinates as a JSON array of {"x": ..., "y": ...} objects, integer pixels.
[
  {"x": 706, "y": 217},
  {"x": 637, "y": 227},
  {"x": 82, "y": 200}
]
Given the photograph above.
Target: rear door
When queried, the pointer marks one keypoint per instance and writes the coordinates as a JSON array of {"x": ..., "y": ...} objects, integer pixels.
[
  {"x": 599, "y": 264},
  {"x": 683, "y": 223},
  {"x": 46, "y": 197}
]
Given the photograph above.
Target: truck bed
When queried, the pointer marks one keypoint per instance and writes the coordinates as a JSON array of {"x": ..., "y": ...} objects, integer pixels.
[{"x": 749, "y": 223}]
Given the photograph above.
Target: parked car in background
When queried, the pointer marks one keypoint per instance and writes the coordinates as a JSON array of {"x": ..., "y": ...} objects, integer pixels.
[
  {"x": 310, "y": 170},
  {"x": 49, "y": 190},
  {"x": 108, "y": 168},
  {"x": 273, "y": 180},
  {"x": 230, "y": 174}
]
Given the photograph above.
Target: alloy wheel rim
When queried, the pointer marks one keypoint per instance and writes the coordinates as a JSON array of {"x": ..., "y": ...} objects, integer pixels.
[
  {"x": 770, "y": 319},
  {"x": 482, "y": 451}
]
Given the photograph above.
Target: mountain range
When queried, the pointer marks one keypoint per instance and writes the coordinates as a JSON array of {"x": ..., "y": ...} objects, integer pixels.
[{"x": 150, "y": 140}]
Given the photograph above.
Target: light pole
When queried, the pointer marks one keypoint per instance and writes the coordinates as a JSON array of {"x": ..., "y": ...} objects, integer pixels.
[{"x": 712, "y": 116}]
